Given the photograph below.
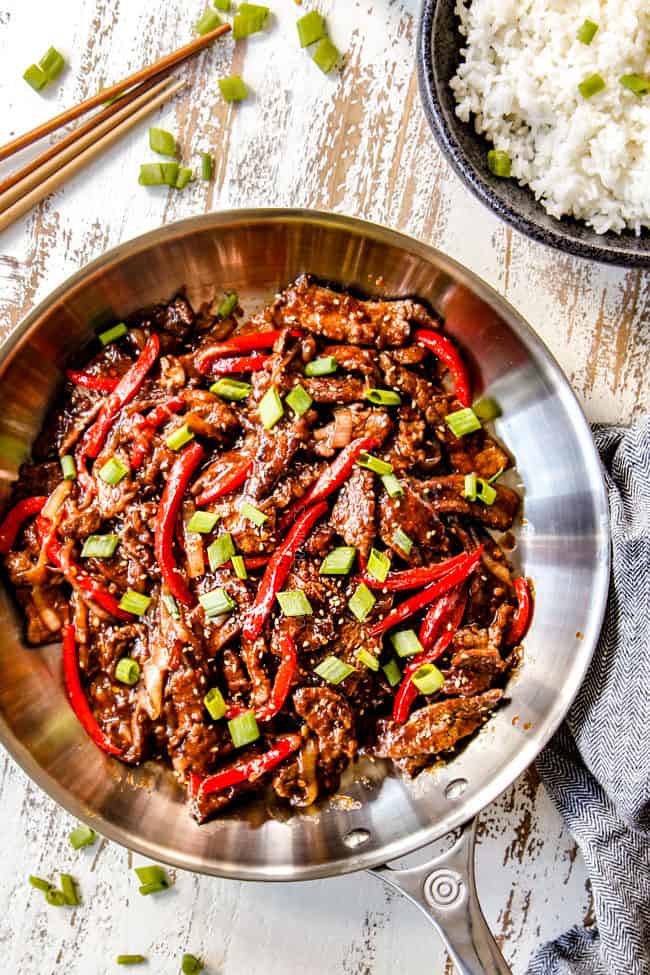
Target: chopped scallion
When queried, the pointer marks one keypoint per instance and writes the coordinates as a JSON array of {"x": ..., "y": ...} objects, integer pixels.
[
  {"x": 368, "y": 659},
  {"x": 171, "y": 605},
  {"x": 221, "y": 551},
  {"x": 68, "y": 467},
  {"x": 52, "y": 63},
  {"x": 487, "y": 409},
  {"x": 231, "y": 389},
  {"x": 378, "y": 565},
  {"x": 470, "y": 487},
  {"x": 393, "y": 487},
  {"x": 587, "y": 31},
  {"x": 130, "y": 959},
  {"x": 428, "y": 679},
  {"x": 339, "y": 561},
  {"x": 35, "y": 77},
  {"x": 486, "y": 493},
  {"x": 39, "y": 883},
  {"x": 361, "y": 602},
  {"x": 202, "y": 522},
  {"x": 207, "y": 164},
  {"x": 113, "y": 471},
  {"x": 191, "y": 964},
  {"x": 209, "y": 20},
  {"x": 54, "y": 897},
  {"x": 223, "y": 5},
  {"x": 162, "y": 142},
  {"x": 250, "y": 19},
  {"x": 69, "y": 890},
  {"x": 214, "y": 703},
  {"x": 311, "y": 28},
  {"x": 228, "y": 304},
  {"x": 326, "y": 55},
  {"x": 233, "y": 89},
  {"x": 239, "y": 566},
  {"x": 403, "y": 542},
  {"x": 82, "y": 836},
  {"x": 293, "y": 602},
  {"x": 383, "y": 397},
  {"x": 134, "y": 602},
  {"x": 372, "y": 463},
  {"x": 100, "y": 546},
  {"x": 152, "y": 874},
  {"x": 462, "y": 422},
  {"x": 324, "y": 366},
  {"x": 392, "y": 672},
  {"x": 146, "y": 889},
  {"x": 179, "y": 437},
  {"x": 333, "y": 670},
  {"x": 636, "y": 83},
  {"x": 270, "y": 408},
  {"x": 170, "y": 173},
  {"x": 185, "y": 176},
  {"x": 406, "y": 643},
  {"x": 216, "y": 603},
  {"x": 116, "y": 332},
  {"x": 499, "y": 163},
  {"x": 243, "y": 729},
  {"x": 253, "y": 514},
  {"x": 151, "y": 174},
  {"x": 299, "y": 400},
  {"x": 127, "y": 671},
  {"x": 591, "y": 85}
]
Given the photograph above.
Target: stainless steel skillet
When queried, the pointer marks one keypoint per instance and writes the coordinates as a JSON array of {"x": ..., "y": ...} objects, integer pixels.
[{"x": 563, "y": 545}]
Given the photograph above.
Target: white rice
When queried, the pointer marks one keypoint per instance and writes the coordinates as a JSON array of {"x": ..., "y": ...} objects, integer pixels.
[{"x": 586, "y": 157}]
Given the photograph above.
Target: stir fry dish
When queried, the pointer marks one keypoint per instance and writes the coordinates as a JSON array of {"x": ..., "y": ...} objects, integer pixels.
[{"x": 271, "y": 544}]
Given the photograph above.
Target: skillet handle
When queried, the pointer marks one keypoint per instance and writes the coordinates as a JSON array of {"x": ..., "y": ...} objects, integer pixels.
[{"x": 444, "y": 889}]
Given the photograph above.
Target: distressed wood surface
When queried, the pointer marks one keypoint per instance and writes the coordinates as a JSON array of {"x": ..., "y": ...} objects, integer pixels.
[{"x": 358, "y": 144}]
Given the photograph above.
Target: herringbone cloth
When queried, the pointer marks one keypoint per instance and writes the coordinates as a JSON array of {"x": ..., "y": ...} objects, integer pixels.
[{"x": 597, "y": 768}]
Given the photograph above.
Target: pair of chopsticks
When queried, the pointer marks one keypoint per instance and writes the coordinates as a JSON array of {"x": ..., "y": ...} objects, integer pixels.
[{"x": 136, "y": 97}]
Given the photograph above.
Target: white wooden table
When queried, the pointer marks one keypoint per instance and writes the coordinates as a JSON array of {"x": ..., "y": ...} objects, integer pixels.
[{"x": 357, "y": 144}]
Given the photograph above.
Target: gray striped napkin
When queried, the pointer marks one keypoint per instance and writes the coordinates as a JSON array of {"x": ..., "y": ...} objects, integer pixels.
[{"x": 597, "y": 768}]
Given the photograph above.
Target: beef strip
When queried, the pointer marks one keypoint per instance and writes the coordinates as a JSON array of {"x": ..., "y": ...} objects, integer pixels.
[
  {"x": 416, "y": 517},
  {"x": 353, "y": 515},
  {"x": 329, "y": 716},
  {"x": 446, "y": 495}
]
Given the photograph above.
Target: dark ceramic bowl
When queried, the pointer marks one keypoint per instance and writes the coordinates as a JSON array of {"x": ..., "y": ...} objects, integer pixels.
[{"x": 439, "y": 45}]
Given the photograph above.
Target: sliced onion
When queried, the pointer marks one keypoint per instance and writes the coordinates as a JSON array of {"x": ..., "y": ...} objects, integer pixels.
[
  {"x": 307, "y": 764},
  {"x": 343, "y": 423},
  {"x": 194, "y": 549},
  {"x": 56, "y": 499},
  {"x": 46, "y": 613}
]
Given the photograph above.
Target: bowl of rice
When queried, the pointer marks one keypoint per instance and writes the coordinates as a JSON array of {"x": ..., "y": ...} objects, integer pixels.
[{"x": 542, "y": 107}]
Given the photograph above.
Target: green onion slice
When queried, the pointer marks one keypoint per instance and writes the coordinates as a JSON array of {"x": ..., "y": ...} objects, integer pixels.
[
  {"x": 462, "y": 422},
  {"x": 100, "y": 546},
  {"x": 127, "y": 671},
  {"x": 361, "y": 602},
  {"x": 470, "y": 488},
  {"x": 152, "y": 874},
  {"x": 207, "y": 165},
  {"x": 54, "y": 897},
  {"x": 35, "y": 77},
  {"x": 39, "y": 883},
  {"x": 191, "y": 964},
  {"x": 253, "y": 514},
  {"x": 231, "y": 389},
  {"x": 403, "y": 542},
  {"x": 499, "y": 163},
  {"x": 69, "y": 890},
  {"x": 587, "y": 31},
  {"x": 333, "y": 670},
  {"x": 223, "y": 5},
  {"x": 202, "y": 522},
  {"x": 393, "y": 487},
  {"x": 392, "y": 672},
  {"x": 293, "y": 602},
  {"x": 130, "y": 959},
  {"x": 82, "y": 836},
  {"x": 406, "y": 643},
  {"x": 372, "y": 463},
  {"x": 146, "y": 889},
  {"x": 324, "y": 366},
  {"x": 134, "y": 602},
  {"x": 208, "y": 21},
  {"x": 221, "y": 551},
  {"x": 162, "y": 142},
  {"x": 271, "y": 409},
  {"x": 228, "y": 304},
  {"x": 185, "y": 176},
  {"x": 116, "y": 332},
  {"x": 171, "y": 605},
  {"x": 250, "y": 19},
  {"x": 487, "y": 409},
  {"x": 378, "y": 565},
  {"x": 68, "y": 467},
  {"x": 311, "y": 28},
  {"x": 233, "y": 89},
  {"x": 151, "y": 174},
  {"x": 170, "y": 173},
  {"x": 113, "y": 471},
  {"x": 383, "y": 397},
  {"x": 339, "y": 561},
  {"x": 591, "y": 85},
  {"x": 179, "y": 437},
  {"x": 216, "y": 603},
  {"x": 486, "y": 493},
  {"x": 239, "y": 566},
  {"x": 326, "y": 55},
  {"x": 428, "y": 679},
  {"x": 243, "y": 729},
  {"x": 52, "y": 63},
  {"x": 636, "y": 83},
  {"x": 299, "y": 400},
  {"x": 368, "y": 659},
  {"x": 214, "y": 703}
]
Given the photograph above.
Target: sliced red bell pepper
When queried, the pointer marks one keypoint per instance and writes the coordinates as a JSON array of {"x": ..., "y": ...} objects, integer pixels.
[
  {"x": 248, "y": 342},
  {"x": 278, "y": 569},
  {"x": 101, "y": 384},
  {"x": 76, "y": 576},
  {"x": 253, "y": 768},
  {"x": 521, "y": 619},
  {"x": 332, "y": 477},
  {"x": 428, "y": 594},
  {"x": 145, "y": 426},
  {"x": 14, "y": 519},
  {"x": 238, "y": 363},
  {"x": 76, "y": 696},
  {"x": 445, "y": 349},
  {"x": 281, "y": 684},
  {"x": 228, "y": 480},
  {"x": 93, "y": 439},
  {"x": 448, "y": 612},
  {"x": 414, "y": 578},
  {"x": 170, "y": 503}
]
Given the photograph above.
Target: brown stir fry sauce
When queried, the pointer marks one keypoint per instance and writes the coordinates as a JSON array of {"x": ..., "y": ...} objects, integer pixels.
[{"x": 290, "y": 476}]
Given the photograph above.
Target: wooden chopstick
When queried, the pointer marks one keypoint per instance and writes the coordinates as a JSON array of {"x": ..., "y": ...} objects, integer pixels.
[
  {"x": 52, "y": 165},
  {"x": 78, "y": 162},
  {"x": 76, "y": 134},
  {"x": 169, "y": 61}
]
